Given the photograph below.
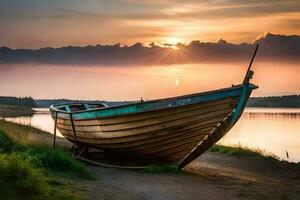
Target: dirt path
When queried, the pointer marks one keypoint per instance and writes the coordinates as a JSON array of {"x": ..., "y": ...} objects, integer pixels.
[{"x": 212, "y": 176}]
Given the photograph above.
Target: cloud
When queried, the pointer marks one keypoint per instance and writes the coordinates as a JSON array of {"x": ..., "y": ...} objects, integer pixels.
[
  {"x": 35, "y": 24},
  {"x": 273, "y": 47},
  {"x": 280, "y": 47}
]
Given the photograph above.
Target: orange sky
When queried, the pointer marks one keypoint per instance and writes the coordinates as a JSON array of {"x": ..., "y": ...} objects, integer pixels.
[
  {"x": 150, "y": 82},
  {"x": 35, "y": 24}
]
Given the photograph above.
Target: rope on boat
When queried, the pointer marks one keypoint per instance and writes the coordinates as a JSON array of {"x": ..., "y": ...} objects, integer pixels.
[
  {"x": 109, "y": 165},
  {"x": 78, "y": 156}
]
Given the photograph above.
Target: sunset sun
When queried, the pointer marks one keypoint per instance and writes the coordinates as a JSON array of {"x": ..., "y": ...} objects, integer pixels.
[{"x": 173, "y": 40}]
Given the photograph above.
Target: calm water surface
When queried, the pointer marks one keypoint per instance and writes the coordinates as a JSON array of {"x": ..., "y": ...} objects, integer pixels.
[{"x": 275, "y": 130}]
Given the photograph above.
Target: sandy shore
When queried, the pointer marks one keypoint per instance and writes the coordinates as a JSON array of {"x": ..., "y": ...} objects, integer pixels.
[{"x": 211, "y": 176}]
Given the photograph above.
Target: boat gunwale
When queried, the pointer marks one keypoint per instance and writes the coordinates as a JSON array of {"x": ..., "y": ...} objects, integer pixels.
[
  {"x": 54, "y": 106},
  {"x": 240, "y": 86}
]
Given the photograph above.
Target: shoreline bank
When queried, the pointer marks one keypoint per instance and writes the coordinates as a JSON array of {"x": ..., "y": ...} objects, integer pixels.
[{"x": 15, "y": 111}]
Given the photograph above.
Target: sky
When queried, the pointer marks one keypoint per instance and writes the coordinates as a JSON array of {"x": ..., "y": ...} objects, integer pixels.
[
  {"x": 136, "y": 68},
  {"x": 56, "y": 23}
]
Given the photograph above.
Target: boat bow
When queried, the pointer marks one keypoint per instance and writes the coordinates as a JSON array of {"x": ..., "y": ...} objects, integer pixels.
[{"x": 227, "y": 123}]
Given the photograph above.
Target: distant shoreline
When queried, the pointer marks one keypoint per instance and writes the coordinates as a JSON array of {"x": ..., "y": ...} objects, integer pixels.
[{"x": 288, "y": 101}]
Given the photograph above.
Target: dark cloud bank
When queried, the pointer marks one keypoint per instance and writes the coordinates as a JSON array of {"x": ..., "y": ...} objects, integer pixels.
[{"x": 279, "y": 48}]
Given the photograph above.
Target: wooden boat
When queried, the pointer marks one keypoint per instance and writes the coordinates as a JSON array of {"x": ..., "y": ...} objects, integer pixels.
[{"x": 173, "y": 130}]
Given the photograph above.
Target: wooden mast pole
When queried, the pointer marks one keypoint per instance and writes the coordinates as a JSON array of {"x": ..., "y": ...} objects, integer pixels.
[{"x": 249, "y": 73}]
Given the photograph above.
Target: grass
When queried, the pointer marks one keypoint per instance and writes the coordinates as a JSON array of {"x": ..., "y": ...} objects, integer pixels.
[
  {"x": 7, "y": 145},
  {"x": 161, "y": 169},
  {"x": 55, "y": 159},
  {"x": 42, "y": 155},
  {"x": 6, "y": 125},
  {"x": 20, "y": 179},
  {"x": 27, "y": 171},
  {"x": 240, "y": 150},
  {"x": 24, "y": 134},
  {"x": 27, "y": 135}
]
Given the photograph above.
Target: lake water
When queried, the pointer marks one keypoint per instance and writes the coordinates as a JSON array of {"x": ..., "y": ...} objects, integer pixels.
[{"x": 275, "y": 130}]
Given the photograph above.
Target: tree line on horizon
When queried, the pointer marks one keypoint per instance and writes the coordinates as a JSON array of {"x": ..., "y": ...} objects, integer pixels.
[
  {"x": 18, "y": 101},
  {"x": 289, "y": 101}
]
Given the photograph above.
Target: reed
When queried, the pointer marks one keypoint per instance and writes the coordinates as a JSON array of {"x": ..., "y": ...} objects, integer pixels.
[
  {"x": 27, "y": 135},
  {"x": 24, "y": 134},
  {"x": 242, "y": 150}
]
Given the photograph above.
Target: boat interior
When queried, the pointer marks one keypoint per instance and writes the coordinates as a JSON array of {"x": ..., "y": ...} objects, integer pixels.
[{"x": 77, "y": 107}]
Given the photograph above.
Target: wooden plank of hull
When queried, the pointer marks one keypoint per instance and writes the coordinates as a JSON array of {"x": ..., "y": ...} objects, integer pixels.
[
  {"x": 140, "y": 140},
  {"x": 166, "y": 150},
  {"x": 166, "y": 125},
  {"x": 177, "y": 153},
  {"x": 160, "y": 120},
  {"x": 132, "y": 131},
  {"x": 158, "y": 148},
  {"x": 158, "y": 141},
  {"x": 138, "y": 117},
  {"x": 173, "y": 153},
  {"x": 138, "y": 134}
]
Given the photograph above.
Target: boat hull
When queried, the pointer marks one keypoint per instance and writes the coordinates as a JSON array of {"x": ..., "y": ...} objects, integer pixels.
[{"x": 165, "y": 134}]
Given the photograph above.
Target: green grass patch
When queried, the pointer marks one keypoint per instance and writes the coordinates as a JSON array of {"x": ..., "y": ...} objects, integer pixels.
[
  {"x": 19, "y": 176},
  {"x": 43, "y": 156},
  {"x": 55, "y": 159},
  {"x": 7, "y": 145},
  {"x": 30, "y": 171},
  {"x": 161, "y": 169},
  {"x": 240, "y": 150},
  {"x": 20, "y": 179}
]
